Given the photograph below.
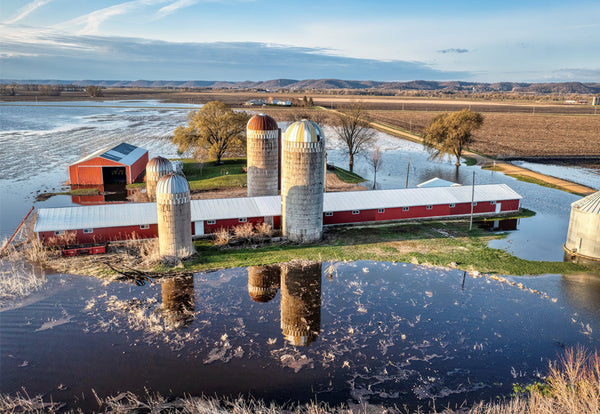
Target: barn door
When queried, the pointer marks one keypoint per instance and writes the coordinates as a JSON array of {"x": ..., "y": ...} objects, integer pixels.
[
  {"x": 498, "y": 207},
  {"x": 199, "y": 228}
]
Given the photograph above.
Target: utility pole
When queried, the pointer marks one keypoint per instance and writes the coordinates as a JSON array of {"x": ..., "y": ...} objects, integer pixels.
[
  {"x": 407, "y": 171},
  {"x": 472, "y": 201}
]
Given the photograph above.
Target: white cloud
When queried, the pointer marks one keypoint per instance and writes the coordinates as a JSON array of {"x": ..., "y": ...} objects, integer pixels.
[
  {"x": 27, "y": 9},
  {"x": 92, "y": 21},
  {"x": 179, "y": 4}
]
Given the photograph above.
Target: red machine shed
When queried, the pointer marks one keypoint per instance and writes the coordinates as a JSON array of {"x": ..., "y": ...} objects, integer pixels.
[{"x": 122, "y": 164}]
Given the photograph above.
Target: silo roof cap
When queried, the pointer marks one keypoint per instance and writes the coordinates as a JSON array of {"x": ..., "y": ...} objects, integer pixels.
[
  {"x": 262, "y": 122},
  {"x": 589, "y": 204},
  {"x": 172, "y": 184},
  {"x": 304, "y": 131},
  {"x": 159, "y": 165}
]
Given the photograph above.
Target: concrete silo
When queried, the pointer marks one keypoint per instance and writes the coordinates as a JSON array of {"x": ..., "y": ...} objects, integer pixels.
[
  {"x": 263, "y": 282},
  {"x": 174, "y": 216},
  {"x": 300, "y": 302},
  {"x": 263, "y": 138},
  {"x": 583, "y": 238},
  {"x": 156, "y": 168},
  {"x": 302, "y": 180}
]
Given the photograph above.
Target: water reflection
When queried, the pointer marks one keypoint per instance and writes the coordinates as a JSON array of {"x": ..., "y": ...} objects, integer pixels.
[
  {"x": 108, "y": 193},
  {"x": 499, "y": 225},
  {"x": 583, "y": 291},
  {"x": 301, "y": 302},
  {"x": 263, "y": 282},
  {"x": 178, "y": 301}
]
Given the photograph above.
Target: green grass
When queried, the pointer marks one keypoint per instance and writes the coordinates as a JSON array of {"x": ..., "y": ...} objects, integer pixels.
[
  {"x": 208, "y": 176},
  {"x": 533, "y": 180},
  {"x": 522, "y": 213},
  {"x": 77, "y": 192},
  {"x": 347, "y": 176},
  {"x": 433, "y": 243},
  {"x": 470, "y": 161}
]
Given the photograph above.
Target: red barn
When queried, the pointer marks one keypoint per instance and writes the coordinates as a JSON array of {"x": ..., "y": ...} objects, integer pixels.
[{"x": 122, "y": 164}]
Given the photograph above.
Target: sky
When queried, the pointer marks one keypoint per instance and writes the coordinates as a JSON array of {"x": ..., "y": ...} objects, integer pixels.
[{"x": 237, "y": 40}]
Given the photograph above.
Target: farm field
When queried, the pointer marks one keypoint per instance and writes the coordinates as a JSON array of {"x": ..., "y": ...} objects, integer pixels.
[{"x": 517, "y": 134}]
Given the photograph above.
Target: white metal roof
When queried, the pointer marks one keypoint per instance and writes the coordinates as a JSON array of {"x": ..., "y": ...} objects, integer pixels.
[
  {"x": 589, "y": 204},
  {"x": 437, "y": 182},
  {"x": 365, "y": 200},
  {"x": 133, "y": 214}
]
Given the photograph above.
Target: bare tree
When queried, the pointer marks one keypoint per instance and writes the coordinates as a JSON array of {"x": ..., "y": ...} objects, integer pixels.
[
  {"x": 94, "y": 91},
  {"x": 376, "y": 162},
  {"x": 352, "y": 127}
]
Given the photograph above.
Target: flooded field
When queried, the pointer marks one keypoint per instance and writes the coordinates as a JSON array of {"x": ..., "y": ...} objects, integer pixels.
[{"x": 382, "y": 333}]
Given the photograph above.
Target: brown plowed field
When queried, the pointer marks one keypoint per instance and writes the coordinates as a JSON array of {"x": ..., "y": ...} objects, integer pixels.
[{"x": 518, "y": 134}]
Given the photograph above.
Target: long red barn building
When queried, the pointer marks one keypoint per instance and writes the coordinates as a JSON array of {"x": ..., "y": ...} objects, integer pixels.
[
  {"x": 121, "y": 164},
  {"x": 123, "y": 221}
]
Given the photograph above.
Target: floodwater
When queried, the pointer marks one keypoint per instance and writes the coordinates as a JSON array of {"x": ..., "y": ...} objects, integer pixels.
[
  {"x": 368, "y": 332},
  {"x": 372, "y": 332}
]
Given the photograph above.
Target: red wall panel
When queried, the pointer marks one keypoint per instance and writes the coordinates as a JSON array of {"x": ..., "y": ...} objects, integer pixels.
[
  {"x": 138, "y": 169},
  {"x": 102, "y": 234},
  {"x": 229, "y": 224}
]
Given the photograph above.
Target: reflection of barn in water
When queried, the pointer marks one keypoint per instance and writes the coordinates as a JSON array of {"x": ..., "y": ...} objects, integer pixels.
[
  {"x": 178, "y": 301},
  {"x": 300, "y": 302},
  {"x": 263, "y": 282},
  {"x": 499, "y": 225}
]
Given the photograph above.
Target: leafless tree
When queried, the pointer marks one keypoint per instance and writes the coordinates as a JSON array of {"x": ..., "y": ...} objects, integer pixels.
[
  {"x": 352, "y": 127},
  {"x": 376, "y": 162}
]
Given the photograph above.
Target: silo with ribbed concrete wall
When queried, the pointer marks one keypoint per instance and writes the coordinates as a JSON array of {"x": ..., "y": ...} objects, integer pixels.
[
  {"x": 155, "y": 169},
  {"x": 583, "y": 237},
  {"x": 263, "y": 138},
  {"x": 174, "y": 216},
  {"x": 302, "y": 181},
  {"x": 300, "y": 302}
]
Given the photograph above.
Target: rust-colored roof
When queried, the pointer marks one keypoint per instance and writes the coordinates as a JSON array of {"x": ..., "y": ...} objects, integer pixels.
[{"x": 262, "y": 122}]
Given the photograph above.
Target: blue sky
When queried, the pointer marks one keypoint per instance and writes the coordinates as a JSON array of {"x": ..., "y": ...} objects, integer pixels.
[{"x": 490, "y": 41}]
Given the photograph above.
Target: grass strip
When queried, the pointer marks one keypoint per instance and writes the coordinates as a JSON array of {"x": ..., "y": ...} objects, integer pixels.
[{"x": 347, "y": 176}]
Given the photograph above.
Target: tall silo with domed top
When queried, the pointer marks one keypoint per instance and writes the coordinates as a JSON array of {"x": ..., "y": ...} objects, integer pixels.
[
  {"x": 155, "y": 169},
  {"x": 302, "y": 176},
  {"x": 174, "y": 216},
  {"x": 263, "y": 138}
]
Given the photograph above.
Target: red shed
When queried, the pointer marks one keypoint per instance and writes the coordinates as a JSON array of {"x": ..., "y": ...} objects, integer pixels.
[{"x": 122, "y": 164}]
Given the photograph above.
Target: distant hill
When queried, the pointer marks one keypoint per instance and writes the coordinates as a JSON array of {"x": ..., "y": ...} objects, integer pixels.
[{"x": 333, "y": 84}]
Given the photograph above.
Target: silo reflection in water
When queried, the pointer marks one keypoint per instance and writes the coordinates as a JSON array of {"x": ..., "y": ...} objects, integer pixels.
[
  {"x": 178, "y": 301},
  {"x": 301, "y": 302},
  {"x": 263, "y": 282}
]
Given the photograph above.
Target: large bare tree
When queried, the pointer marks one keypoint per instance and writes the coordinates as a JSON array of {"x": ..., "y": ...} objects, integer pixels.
[
  {"x": 376, "y": 162},
  {"x": 352, "y": 127},
  {"x": 214, "y": 131},
  {"x": 451, "y": 133}
]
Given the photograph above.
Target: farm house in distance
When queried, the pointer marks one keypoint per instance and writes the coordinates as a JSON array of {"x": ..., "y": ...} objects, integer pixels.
[{"x": 122, "y": 164}]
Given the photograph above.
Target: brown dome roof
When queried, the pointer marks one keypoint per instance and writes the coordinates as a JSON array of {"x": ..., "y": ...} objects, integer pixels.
[{"x": 262, "y": 122}]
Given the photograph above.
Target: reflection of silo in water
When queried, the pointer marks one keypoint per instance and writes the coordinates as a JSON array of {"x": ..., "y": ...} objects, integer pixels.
[
  {"x": 155, "y": 169},
  {"x": 300, "y": 302},
  {"x": 174, "y": 216},
  {"x": 583, "y": 291},
  {"x": 263, "y": 282},
  {"x": 178, "y": 301}
]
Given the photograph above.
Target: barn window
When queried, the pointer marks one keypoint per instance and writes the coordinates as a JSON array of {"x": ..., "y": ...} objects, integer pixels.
[
  {"x": 404, "y": 208},
  {"x": 88, "y": 231},
  {"x": 355, "y": 211},
  {"x": 59, "y": 233},
  {"x": 452, "y": 205},
  {"x": 144, "y": 226},
  {"x": 429, "y": 207},
  {"x": 475, "y": 203},
  {"x": 242, "y": 219},
  {"x": 381, "y": 210},
  {"x": 492, "y": 202},
  {"x": 211, "y": 221},
  {"x": 329, "y": 213}
]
